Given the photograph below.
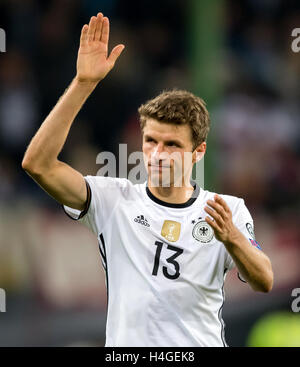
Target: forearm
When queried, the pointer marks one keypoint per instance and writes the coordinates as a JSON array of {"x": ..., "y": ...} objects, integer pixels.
[
  {"x": 254, "y": 266},
  {"x": 49, "y": 140},
  {"x": 58, "y": 179},
  {"x": 93, "y": 64}
]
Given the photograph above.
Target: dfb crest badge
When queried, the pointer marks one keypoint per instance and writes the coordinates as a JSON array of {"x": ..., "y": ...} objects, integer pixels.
[{"x": 203, "y": 232}]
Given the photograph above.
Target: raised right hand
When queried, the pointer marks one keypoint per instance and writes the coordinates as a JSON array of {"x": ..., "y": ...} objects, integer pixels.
[{"x": 93, "y": 62}]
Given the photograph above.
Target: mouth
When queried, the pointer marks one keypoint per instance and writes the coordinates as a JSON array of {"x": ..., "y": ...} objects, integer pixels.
[{"x": 157, "y": 168}]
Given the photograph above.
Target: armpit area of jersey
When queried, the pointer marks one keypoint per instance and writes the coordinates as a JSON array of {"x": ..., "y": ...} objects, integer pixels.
[{"x": 76, "y": 214}]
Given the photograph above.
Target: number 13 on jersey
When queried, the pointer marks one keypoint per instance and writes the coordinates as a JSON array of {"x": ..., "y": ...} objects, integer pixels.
[{"x": 170, "y": 260}]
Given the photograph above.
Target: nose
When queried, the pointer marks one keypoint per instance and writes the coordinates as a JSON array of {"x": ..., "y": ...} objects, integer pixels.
[
  {"x": 159, "y": 155},
  {"x": 157, "y": 151}
]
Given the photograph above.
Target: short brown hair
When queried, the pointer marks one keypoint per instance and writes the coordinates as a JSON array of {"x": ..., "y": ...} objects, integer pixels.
[{"x": 178, "y": 107}]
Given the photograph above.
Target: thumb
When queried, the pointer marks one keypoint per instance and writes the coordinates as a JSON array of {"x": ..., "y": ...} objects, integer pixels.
[{"x": 115, "y": 53}]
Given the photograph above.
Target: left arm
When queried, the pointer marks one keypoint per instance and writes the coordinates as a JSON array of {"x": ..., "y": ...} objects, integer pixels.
[{"x": 253, "y": 264}]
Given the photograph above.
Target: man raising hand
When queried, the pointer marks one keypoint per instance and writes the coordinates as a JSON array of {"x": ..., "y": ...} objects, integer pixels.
[{"x": 166, "y": 245}]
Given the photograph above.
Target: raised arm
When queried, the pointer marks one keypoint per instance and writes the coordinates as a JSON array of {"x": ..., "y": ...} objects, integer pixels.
[{"x": 62, "y": 182}]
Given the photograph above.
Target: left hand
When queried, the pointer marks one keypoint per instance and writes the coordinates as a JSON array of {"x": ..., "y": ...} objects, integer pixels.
[{"x": 225, "y": 230}]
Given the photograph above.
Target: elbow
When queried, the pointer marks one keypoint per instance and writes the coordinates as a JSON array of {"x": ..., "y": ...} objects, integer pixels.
[
  {"x": 266, "y": 284},
  {"x": 269, "y": 284},
  {"x": 28, "y": 165},
  {"x": 266, "y": 287},
  {"x": 35, "y": 168},
  {"x": 31, "y": 167},
  {"x": 267, "y": 279}
]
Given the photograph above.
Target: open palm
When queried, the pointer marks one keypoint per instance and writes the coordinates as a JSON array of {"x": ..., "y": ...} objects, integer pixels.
[{"x": 93, "y": 62}]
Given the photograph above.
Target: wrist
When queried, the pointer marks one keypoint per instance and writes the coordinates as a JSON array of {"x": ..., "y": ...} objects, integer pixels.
[
  {"x": 85, "y": 83},
  {"x": 234, "y": 239}
]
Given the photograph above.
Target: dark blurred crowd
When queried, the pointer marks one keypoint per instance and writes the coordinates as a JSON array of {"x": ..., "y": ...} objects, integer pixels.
[{"x": 258, "y": 118}]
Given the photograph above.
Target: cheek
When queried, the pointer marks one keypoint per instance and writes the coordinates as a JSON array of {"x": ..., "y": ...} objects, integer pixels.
[
  {"x": 146, "y": 152},
  {"x": 148, "y": 149},
  {"x": 178, "y": 161},
  {"x": 145, "y": 148},
  {"x": 183, "y": 161}
]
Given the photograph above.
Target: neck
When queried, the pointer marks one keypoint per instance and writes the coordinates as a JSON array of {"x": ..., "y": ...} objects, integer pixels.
[{"x": 172, "y": 194}]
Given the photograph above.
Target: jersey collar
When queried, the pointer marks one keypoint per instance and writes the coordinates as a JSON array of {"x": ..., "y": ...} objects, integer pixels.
[{"x": 173, "y": 205}]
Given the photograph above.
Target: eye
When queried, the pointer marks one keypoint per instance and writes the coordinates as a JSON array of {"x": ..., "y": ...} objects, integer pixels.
[
  {"x": 149, "y": 140},
  {"x": 173, "y": 144}
]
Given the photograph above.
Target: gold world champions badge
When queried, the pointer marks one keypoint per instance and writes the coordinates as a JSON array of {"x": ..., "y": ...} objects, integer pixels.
[{"x": 171, "y": 230}]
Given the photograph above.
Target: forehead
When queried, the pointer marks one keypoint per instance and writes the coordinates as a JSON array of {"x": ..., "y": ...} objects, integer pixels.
[{"x": 167, "y": 131}]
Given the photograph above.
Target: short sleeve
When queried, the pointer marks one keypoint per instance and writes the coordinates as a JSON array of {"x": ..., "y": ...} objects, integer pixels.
[
  {"x": 103, "y": 195},
  {"x": 244, "y": 223}
]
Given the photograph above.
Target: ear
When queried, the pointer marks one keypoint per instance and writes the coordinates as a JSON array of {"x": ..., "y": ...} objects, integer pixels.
[{"x": 199, "y": 152}]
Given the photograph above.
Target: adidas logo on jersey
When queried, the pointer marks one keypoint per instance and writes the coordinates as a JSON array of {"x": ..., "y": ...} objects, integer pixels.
[{"x": 142, "y": 220}]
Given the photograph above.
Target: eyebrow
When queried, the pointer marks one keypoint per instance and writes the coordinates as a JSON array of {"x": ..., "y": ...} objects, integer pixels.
[{"x": 173, "y": 141}]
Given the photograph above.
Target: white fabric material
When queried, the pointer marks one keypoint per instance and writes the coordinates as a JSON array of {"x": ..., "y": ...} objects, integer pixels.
[{"x": 155, "y": 310}]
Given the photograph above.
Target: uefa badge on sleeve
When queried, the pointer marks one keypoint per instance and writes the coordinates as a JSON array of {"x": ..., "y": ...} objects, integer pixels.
[
  {"x": 250, "y": 230},
  {"x": 255, "y": 243}
]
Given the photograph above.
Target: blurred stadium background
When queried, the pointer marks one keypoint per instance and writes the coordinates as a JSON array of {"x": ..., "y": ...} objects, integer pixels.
[{"x": 236, "y": 55}]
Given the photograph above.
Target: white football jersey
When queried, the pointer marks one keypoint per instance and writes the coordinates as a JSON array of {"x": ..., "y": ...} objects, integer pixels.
[{"x": 164, "y": 268}]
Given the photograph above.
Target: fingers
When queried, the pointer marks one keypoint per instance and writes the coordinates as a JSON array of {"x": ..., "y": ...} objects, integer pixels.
[
  {"x": 99, "y": 27},
  {"x": 92, "y": 29},
  {"x": 84, "y": 34},
  {"x": 115, "y": 53},
  {"x": 213, "y": 224},
  {"x": 222, "y": 202},
  {"x": 217, "y": 217},
  {"x": 105, "y": 31},
  {"x": 97, "y": 30},
  {"x": 218, "y": 208}
]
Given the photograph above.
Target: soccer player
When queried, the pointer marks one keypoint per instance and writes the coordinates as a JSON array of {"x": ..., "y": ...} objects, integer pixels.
[{"x": 166, "y": 249}]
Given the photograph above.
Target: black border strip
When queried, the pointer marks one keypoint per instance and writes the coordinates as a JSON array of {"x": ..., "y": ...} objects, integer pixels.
[
  {"x": 220, "y": 313},
  {"x": 173, "y": 205},
  {"x": 87, "y": 203},
  {"x": 106, "y": 267},
  {"x": 88, "y": 200},
  {"x": 240, "y": 278},
  {"x": 102, "y": 252},
  {"x": 103, "y": 260}
]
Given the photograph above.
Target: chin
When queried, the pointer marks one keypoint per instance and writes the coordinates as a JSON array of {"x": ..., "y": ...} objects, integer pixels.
[{"x": 157, "y": 180}]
